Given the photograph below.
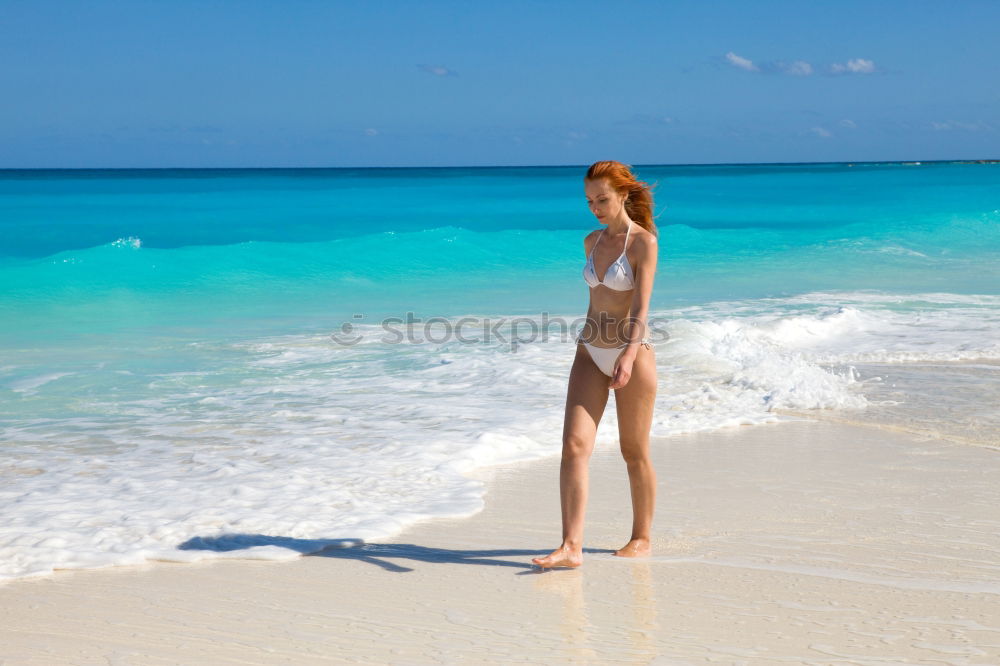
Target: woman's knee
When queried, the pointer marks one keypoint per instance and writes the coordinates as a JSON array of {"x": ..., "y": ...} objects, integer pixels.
[
  {"x": 635, "y": 452},
  {"x": 576, "y": 448}
]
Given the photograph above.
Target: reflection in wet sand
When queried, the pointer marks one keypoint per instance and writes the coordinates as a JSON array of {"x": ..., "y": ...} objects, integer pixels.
[
  {"x": 642, "y": 634},
  {"x": 621, "y": 618},
  {"x": 575, "y": 625}
]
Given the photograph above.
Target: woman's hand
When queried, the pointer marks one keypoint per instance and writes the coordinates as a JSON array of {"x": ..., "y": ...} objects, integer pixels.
[{"x": 623, "y": 370}]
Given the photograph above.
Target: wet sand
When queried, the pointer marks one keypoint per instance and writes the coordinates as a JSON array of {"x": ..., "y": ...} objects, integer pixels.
[{"x": 797, "y": 543}]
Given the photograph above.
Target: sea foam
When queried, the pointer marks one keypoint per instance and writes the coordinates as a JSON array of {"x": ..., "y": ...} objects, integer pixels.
[{"x": 290, "y": 443}]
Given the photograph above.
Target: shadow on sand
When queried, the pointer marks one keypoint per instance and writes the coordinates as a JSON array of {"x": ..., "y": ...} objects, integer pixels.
[{"x": 378, "y": 554}]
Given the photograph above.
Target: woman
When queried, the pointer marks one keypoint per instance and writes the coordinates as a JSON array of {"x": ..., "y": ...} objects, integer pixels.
[{"x": 613, "y": 352}]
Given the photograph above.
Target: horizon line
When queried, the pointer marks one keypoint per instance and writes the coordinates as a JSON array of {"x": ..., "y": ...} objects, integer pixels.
[{"x": 499, "y": 166}]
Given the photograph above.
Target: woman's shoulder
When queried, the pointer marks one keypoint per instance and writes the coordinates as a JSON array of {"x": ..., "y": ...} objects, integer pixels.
[{"x": 643, "y": 238}]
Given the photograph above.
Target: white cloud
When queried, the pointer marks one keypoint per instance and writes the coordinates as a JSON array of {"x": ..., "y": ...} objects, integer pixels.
[
  {"x": 847, "y": 122},
  {"x": 742, "y": 63},
  {"x": 797, "y": 68},
  {"x": 794, "y": 68},
  {"x": 821, "y": 132},
  {"x": 371, "y": 131},
  {"x": 437, "y": 70},
  {"x": 861, "y": 66},
  {"x": 854, "y": 66},
  {"x": 801, "y": 67}
]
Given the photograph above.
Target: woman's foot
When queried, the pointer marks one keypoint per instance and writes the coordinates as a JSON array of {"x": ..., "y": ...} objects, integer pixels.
[
  {"x": 635, "y": 548},
  {"x": 563, "y": 556}
]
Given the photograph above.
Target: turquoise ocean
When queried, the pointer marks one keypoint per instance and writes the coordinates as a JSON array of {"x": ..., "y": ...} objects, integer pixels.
[{"x": 260, "y": 363}]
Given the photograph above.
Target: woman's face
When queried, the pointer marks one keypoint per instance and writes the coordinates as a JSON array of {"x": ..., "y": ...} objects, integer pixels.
[{"x": 604, "y": 202}]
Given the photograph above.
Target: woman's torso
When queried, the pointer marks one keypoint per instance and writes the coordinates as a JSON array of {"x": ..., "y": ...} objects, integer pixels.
[{"x": 611, "y": 265}]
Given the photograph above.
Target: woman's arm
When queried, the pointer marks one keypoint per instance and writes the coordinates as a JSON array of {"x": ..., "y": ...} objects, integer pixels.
[{"x": 644, "y": 274}]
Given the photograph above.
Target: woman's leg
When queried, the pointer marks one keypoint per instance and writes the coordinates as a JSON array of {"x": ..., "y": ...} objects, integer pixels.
[
  {"x": 586, "y": 399},
  {"x": 634, "y": 404}
]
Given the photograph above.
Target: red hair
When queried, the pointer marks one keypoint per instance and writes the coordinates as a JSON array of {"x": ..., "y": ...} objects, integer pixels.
[{"x": 639, "y": 204}]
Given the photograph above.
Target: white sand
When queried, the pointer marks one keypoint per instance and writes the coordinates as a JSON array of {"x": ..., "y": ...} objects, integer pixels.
[{"x": 794, "y": 543}]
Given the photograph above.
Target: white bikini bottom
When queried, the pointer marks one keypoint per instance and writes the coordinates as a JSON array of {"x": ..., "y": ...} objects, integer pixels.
[{"x": 605, "y": 357}]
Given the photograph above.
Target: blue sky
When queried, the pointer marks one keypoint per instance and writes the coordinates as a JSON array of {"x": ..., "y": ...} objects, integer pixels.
[{"x": 174, "y": 83}]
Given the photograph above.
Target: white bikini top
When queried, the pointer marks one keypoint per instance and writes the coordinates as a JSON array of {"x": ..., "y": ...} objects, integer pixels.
[{"x": 619, "y": 274}]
